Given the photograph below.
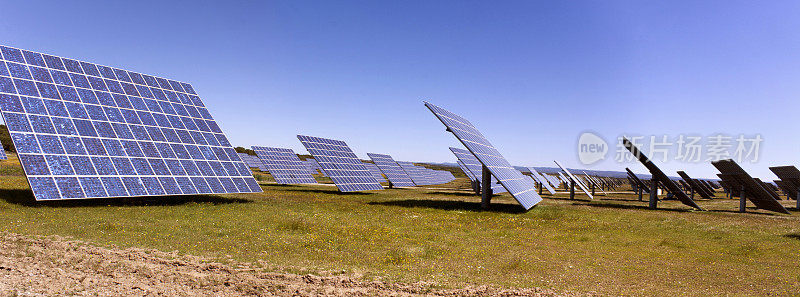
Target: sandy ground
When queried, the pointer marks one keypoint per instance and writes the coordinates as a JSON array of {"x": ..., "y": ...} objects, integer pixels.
[{"x": 46, "y": 266}]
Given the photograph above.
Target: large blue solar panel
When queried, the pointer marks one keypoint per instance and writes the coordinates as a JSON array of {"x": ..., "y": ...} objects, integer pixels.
[
  {"x": 538, "y": 177},
  {"x": 89, "y": 131},
  {"x": 523, "y": 189},
  {"x": 474, "y": 166},
  {"x": 313, "y": 166},
  {"x": 416, "y": 173},
  {"x": 376, "y": 172},
  {"x": 388, "y": 166},
  {"x": 340, "y": 164},
  {"x": 284, "y": 165}
]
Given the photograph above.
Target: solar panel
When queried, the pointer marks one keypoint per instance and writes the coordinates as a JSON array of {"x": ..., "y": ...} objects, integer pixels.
[
  {"x": 340, "y": 164},
  {"x": 314, "y": 166},
  {"x": 639, "y": 183},
  {"x": 376, "y": 172},
  {"x": 538, "y": 177},
  {"x": 563, "y": 180},
  {"x": 396, "y": 175},
  {"x": 755, "y": 191},
  {"x": 659, "y": 175},
  {"x": 475, "y": 167},
  {"x": 416, "y": 173},
  {"x": 790, "y": 179},
  {"x": 284, "y": 165},
  {"x": 578, "y": 182},
  {"x": 252, "y": 161},
  {"x": 89, "y": 131},
  {"x": 695, "y": 185},
  {"x": 594, "y": 181},
  {"x": 521, "y": 188}
]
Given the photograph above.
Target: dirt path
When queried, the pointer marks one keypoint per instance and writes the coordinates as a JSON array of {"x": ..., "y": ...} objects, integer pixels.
[{"x": 34, "y": 266}]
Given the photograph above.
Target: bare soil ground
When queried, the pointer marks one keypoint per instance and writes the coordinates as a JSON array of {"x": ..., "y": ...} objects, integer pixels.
[{"x": 35, "y": 266}]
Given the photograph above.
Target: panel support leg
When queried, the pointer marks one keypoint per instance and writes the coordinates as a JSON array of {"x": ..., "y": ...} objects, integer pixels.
[
  {"x": 742, "y": 200},
  {"x": 571, "y": 189},
  {"x": 641, "y": 193},
  {"x": 692, "y": 191},
  {"x": 486, "y": 188},
  {"x": 391, "y": 185},
  {"x": 592, "y": 189},
  {"x": 540, "y": 189},
  {"x": 797, "y": 200},
  {"x": 654, "y": 195}
]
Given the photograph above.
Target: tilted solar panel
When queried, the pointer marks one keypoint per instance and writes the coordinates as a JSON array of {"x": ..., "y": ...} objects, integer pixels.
[
  {"x": 389, "y": 167},
  {"x": 475, "y": 167},
  {"x": 340, "y": 164},
  {"x": 284, "y": 165},
  {"x": 376, "y": 172},
  {"x": 578, "y": 182},
  {"x": 595, "y": 182},
  {"x": 252, "y": 161},
  {"x": 736, "y": 176},
  {"x": 89, "y": 131},
  {"x": 521, "y": 188},
  {"x": 466, "y": 171},
  {"x": 3, "y": 155},
  {"x": 416, "y": 173},
  {"x": 542, "y": 180},
  {"x": 790, "y": 180},
  {"x": 695, "y": 185},
  {"x": 659, "y": 175}
]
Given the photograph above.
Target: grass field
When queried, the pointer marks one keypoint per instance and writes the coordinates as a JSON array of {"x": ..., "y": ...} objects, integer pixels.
[{"x": 612, "y": 245}]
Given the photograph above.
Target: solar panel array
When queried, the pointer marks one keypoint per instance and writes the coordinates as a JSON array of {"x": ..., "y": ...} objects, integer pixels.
[
  {"x": 474, "y": 166},
  {"x": 376, "y": 172},
  {"x": 755, "y": 191},
  {"x": 340, "y": 164},
  {"x": 284, "y": 165},
  {"x": 542, "y": 180},
  {"x": 596, "y": 182},
  {"x": 639, "y": 183},
  {"x": 578, "y": 182},
  {"x": 389, "y": 167},
  {"x": 521, "y": 188},
  {"x": 89, "y": 131}
]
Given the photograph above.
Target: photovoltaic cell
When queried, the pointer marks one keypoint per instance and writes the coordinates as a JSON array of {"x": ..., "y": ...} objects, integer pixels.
[
  {"x": 521, "y": 188},
  {"x": 389, "y": 167},
  {"x": 474, "y": 166},
  {"x": 284, "y": 165},
  {"x": 340, "y": 164},
  {"x": 89, "y": 131}
]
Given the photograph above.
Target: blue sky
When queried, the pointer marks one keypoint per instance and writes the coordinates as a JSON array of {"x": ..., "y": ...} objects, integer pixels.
[{"x": 530, "y": 75}]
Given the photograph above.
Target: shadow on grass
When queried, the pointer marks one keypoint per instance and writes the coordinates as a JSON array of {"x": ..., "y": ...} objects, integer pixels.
[
  {"x": 25, "y": 197},
  {"x": 333, "y": 191},
  {"x": 792, "y": 236},
  {"x": 452, "y": 205},
  {"x": 470, "y": 194},
  {"x": 630, "y": 206}
]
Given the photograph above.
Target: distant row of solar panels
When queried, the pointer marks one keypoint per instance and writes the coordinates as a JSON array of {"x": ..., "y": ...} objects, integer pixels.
[{"x": 83, "y": 130}]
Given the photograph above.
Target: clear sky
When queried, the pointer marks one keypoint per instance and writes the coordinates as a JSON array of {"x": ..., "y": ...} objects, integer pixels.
[{"x": 531, "y": 75}]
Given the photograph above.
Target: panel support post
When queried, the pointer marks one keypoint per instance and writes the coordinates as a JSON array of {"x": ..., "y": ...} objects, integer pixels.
[
  {"x": 797, "y": 200},
  {"x": 641, "y": 193},
  {"x": 486, "y": 188},
  {"x": 692, "y": 191},
  {"x": 391, "y": 185},
  {"x": 592, "y": 189},
  {"x": 571, "y": 189},
  {"x": 742, "y": 200},
  {"x": 540, "y": 189},
  {"x": 654, "y": 194}
]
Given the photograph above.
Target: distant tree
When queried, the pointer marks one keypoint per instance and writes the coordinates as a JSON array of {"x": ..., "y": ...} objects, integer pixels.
[
  {"x": 242, "y": 150},
  {"x": 5, "y": 138}
]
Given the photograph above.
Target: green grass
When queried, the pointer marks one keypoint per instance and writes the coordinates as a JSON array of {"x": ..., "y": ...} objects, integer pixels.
[{"x": 610, "y": 245}]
